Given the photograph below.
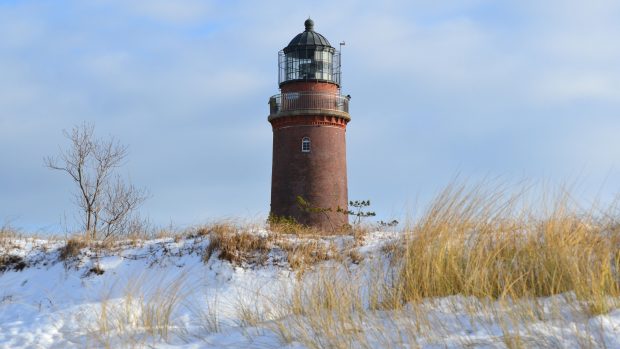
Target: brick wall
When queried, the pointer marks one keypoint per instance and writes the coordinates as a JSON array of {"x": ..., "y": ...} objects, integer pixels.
[{"x": 319, "y": 176}]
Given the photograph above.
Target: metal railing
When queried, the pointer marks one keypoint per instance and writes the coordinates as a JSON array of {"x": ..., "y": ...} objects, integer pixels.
[{"x": 291, "y": 101}]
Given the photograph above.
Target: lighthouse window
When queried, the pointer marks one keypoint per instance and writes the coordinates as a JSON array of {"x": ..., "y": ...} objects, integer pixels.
[
  {"x": 323, "y": 63},
  {"x": 305, "y": 145}
]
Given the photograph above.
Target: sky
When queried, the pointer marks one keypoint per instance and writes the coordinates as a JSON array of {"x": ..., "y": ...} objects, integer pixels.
[{"x": 470, "y": 89}]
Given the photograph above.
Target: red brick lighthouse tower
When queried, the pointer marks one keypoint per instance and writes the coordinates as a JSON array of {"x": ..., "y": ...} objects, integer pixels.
[{"x": 309, "y": 119}]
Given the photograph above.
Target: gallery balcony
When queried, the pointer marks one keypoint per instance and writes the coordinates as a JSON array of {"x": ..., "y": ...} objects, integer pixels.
[{"x": 308, "y": 103}]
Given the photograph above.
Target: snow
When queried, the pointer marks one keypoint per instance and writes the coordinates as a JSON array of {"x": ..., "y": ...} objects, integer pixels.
[{"x": 61, "y": 304}]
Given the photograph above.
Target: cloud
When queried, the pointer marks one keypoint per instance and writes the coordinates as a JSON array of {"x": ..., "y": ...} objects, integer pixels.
[
  {"x": 569, "y": 86},
  {"x": 175, "y": 12},
  {"x": 476, "y": 86}
]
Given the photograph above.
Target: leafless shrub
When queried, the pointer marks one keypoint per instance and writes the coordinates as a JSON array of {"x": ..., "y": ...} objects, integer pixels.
[{"x": 106, "y": 201}]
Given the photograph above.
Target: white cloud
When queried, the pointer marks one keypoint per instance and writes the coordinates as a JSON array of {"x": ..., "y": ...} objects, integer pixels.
[
  {"x": 177, "y": 11},
  {"x": 572, "y": 86},
  {"x": 460, "y": 85}
]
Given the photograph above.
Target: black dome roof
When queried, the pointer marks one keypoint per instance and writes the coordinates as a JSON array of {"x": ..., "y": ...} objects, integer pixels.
[{"x": 308, "y": 39}]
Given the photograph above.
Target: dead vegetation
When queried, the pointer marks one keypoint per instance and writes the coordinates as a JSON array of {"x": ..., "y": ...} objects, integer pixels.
[
  {"x": 482, "y": 243},
  {"x": 106, "y": 201},
  {"x": 72, "y": 248},
  {"x": 8, "y": 235},
  {"x": 477, "y": 257},
  {"x": 302, "y": 254},
  {"x": 243, "y": 246},
  {"x": 482, "y": 257},
  {"x": 281, "y": 225},
  {"x": 11, "y": 262},
  {"x": 146, "y": 307},
  {"x": 236, "y": 246}
]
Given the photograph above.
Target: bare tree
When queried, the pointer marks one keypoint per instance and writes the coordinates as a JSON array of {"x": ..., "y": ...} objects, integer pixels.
[{"x": 106, "y": 201}]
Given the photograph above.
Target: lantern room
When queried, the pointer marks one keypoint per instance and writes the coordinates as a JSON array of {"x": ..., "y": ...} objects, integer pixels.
[{"x": 309, "y": 57}]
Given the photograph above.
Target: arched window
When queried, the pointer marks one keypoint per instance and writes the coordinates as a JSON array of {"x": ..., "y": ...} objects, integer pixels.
[{"x": 305, "y": 145}]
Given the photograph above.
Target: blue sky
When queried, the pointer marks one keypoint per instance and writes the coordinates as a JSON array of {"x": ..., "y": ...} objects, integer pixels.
[{"x": 509, "y": 89}]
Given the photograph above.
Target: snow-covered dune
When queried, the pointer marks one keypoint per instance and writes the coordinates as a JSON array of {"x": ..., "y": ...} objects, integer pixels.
[{"x": 161, "y": 293}]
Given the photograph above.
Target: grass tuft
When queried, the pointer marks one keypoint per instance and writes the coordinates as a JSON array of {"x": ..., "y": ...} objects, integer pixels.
[
  {"x": 480, "y": 243},
  {"x": 237, "y": 246},
  {"x": 242, "y": 246},
  {"x": 72, "y": 248},
  {"x": 11, "y": 262}
]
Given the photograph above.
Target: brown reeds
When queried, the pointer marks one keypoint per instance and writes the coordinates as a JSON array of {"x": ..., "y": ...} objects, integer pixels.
[
  {"x": 484, "y": 244},
  {"x": 478, "y": 258}
]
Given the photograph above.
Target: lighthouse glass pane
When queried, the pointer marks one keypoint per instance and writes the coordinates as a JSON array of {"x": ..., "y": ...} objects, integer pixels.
[
  {"x": 323, "y": 64},
  {"x": 292, "y": 67},
  {"x": 309, "y": 65},
  {"x": 306, "y": 69}
]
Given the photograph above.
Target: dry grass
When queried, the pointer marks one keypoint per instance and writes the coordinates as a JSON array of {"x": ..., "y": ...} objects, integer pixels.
[
  {"x": 328, "y": 312},
  {"x": 512, "y": 272},
  {"x": 72, "y": 248},
  {"x": 11, "y": 262},
  {"x": 307, "y": 253},
  {"x": 139, "y": 234},
  {"x": 250, "y": 246},
  {"x": 145, "y": 313},
  {"x": 480, "y": 243},
  {"x": 207, "y": 314},
  {"x": 477, "y": 258},
  {"x": 76, "y": 244},
  {"x": 332, "y": 309},
  {"x": 237, "y": 246},
  {"x": 8, "y": 236},
  {"x": 290, "y": 226}
]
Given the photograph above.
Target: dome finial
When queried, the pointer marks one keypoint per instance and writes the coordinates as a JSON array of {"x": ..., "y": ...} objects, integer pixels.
[{"x": 309, "y": 24}]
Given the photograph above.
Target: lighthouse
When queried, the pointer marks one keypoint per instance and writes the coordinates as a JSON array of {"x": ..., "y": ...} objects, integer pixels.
[{"x": 309, "y": 118}]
